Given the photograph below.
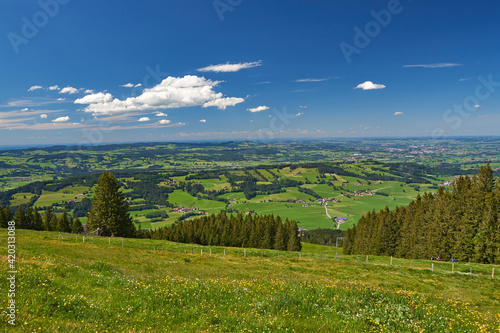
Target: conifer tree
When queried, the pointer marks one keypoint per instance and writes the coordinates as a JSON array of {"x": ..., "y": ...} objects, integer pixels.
[
  {"x": 77, "y": 226},
  {"x": 5, "y": 216},
  {"x": 20, "y": 218},
  {"x": 63, "y": 223},
  {"x": 29, "y": 218},
  {"x": 47, "y": 218},
  {"x": 37, "y": 220},
  {"x": 109, "y": 209}
]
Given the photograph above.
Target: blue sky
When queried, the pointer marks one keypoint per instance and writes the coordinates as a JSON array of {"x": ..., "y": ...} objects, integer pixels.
[{"x": 119, "y": 71}]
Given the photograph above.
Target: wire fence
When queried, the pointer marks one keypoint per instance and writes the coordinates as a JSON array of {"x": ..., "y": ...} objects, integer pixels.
[{"x": 329, "y": 255}]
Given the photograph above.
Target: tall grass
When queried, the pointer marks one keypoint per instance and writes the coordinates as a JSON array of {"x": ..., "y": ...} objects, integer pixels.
[{"x": 65, "y": 285}]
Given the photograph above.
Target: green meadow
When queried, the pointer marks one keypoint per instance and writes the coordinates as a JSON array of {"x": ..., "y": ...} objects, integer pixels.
[{"x": 67, "y": 285}]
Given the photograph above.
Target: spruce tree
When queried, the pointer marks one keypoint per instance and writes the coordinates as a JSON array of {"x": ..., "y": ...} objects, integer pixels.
[
  {"x": 37, "y": 220},
  {"x": 20, "y": 218},
  {"x": 63, "y": 223},
  {"x": 47, "y": 217},
  {"x": 109, "y": 209},
  {"x": 77, "y": 227},
  {"x": 5, "y": 216}
]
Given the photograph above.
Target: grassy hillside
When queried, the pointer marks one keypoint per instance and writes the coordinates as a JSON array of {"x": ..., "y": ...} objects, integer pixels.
[{"x": 66, "y": 285}]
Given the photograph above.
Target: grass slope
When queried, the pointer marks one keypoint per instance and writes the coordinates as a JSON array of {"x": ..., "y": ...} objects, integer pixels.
[{"x": 70, "y": 286}]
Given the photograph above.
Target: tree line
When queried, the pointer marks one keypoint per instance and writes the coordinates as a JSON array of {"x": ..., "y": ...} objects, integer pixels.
[
  {"x": 30, "y": 218},
  {"x": 461, "y": 222},
  {"x": 257, "y": 231}
]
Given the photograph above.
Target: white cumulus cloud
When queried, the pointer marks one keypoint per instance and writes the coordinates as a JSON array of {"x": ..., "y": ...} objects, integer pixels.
[
  {"x": 56, "y": 87},
  {"x": 299, "y": 114},
  {"x": 164, "y": 122},
  {"x": 32, "y": 88},
  {"x": 259, "y": 108},
  {"x": 131, "y": 85},
  {"x": 161, "y": 114},
  {"x": 68, "y": 90},
  {"x": 43, "y": 116},
  {"x": 227, "y": 67},
  {"x": 60, "y": 119},
  {"x": 203, "y": 120},
  {"x": 369, "y": 85},
  {"x": 61, "y": 99},
  {"x": 222, "y": 103},
  {"x": 398, "y": 113},
  {"x": 95, "y": 98},
  {"x": 144, "y": 119},
  {"x": 172, "y": 92},
  {"x": 89, "y": 91},
  {"x": 24, "y": 110}
]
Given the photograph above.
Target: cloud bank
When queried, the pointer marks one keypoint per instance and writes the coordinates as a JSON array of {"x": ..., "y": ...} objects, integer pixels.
[{"x": 171, "y": 93}]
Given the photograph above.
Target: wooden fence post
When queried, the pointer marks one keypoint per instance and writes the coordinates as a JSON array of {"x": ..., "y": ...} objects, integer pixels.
[
  {"x": 493, "y": 273},
  {"x": 224, "y": 252},
  {"x": 245, "y": 252},
  {"x": 84, "y": 238},
  {"x": 453, "y": 268},
  {"x": 201, "y": 252},
  {"x": 300, "y": 255},
  {"x": 321, "y": 256},
  {"x": 366, "y": 259},
  {"x": 432, "y": 267},
  {"x": 109, "y": 241},
  {"x": 391, "y": 261},
  {"x": 278, "y": 254}
]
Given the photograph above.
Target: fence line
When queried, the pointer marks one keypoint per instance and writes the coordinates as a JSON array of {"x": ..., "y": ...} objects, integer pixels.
[{"x": 181, "y": 247}]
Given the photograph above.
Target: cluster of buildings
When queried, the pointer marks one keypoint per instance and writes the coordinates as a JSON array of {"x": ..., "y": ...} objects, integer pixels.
[
  {"x": 360, "y": 193},
  {"x": 185, "y": 210},
  {"x": 27, "y": 179}
]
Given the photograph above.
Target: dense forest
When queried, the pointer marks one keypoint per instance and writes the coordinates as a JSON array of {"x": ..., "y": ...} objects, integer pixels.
[
  {"x": 30, "y": 218},
  {"x": 322, "y": 236},
  {"x": 460, "y": 222},
  {"x": 257, "y": 231}
]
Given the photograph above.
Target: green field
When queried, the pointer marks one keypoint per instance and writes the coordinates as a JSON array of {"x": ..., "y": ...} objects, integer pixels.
[
  {"x": 65, "y": 285},
  {"x": 288, "y": 203}
]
